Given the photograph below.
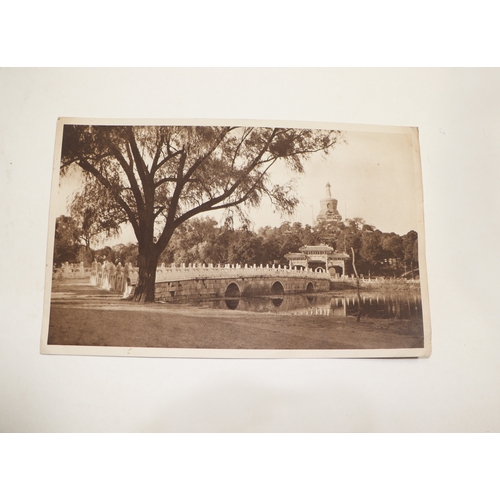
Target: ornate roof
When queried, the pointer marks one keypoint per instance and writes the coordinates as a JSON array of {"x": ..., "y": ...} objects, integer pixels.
[
  {"x": 311, "y": 257},
  {"x": 316, "y": 248}
]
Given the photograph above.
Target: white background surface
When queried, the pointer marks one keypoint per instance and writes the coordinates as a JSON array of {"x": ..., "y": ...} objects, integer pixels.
[{"x": 456, "y": 390}]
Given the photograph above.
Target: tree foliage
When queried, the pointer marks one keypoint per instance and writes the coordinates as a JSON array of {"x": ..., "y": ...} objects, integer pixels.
[
  {"x": 66, "y": 241},
  {"x": 96, "y": 212},
  {"x": 202, "y": 241}
]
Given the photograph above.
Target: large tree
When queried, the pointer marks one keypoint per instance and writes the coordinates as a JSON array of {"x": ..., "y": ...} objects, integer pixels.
[{"x": 160, "y": 177}]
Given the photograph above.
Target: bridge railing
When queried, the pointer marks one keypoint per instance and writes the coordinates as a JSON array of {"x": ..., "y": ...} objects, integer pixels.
[
  {"x": 110, "y": 277},
  {"x": 170, "y": 273},
  {"x": 71, "y": 271}
]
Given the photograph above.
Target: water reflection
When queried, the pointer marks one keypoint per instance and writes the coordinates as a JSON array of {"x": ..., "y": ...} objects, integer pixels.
[
  {"x": 277, "y": 301},
  {"x": 232, "y": 303},
  {"x": 373, "y": 305}
]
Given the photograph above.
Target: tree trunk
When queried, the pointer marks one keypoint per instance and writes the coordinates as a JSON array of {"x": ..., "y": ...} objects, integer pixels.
[{"x": 145, "y": 288}]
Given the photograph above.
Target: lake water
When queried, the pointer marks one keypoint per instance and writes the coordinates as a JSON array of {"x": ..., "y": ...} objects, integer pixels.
[{"x": 373, "y": 305}]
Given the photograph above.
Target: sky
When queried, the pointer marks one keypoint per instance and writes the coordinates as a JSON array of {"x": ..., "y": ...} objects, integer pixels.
[{"x": 374, "y": 176}]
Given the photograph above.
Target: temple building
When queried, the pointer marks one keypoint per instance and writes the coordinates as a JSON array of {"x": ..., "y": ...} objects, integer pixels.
[
  {"x": 328, "y": 208},
  {"x": 318, "y": 256}
]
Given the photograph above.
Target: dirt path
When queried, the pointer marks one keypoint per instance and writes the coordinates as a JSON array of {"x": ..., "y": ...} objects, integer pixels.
[{"x": 85, "y": 315}]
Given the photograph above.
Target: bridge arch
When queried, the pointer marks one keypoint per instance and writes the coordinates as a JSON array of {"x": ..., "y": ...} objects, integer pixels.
[
  {"x": 310, "y": 287},
  {"x": 232, "y": 290},
  {"x": 277, "y": 288}
]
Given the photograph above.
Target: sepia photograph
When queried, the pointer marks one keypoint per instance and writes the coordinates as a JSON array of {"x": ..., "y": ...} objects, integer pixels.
[{"x": 214, "y": 239}]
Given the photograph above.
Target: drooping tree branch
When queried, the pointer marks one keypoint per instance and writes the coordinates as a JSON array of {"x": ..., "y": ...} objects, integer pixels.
[
  {"x": 139, "y": 161},
  {"x": 170, "y": 156},
  {"x": 128, "y": 169},
  {"x": 85, "y": 165},
  {"x": 212, "y": 203}
]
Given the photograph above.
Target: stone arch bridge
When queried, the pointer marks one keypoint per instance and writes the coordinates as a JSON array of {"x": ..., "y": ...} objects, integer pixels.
[{"x": 236, "y": 281}]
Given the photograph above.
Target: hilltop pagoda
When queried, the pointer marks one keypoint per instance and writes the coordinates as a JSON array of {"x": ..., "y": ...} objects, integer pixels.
[{"x": 328, "y": 208}]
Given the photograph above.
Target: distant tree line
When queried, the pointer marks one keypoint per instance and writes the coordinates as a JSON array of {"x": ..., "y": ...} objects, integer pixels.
[{"x": 204, "y": 241}]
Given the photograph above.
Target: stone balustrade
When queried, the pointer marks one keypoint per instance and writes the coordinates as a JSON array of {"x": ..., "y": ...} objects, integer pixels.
[
  {"x": 110, "y": 277},
  {"x": 202, "y": 271},
  {"x": 71, "y": 271}
]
